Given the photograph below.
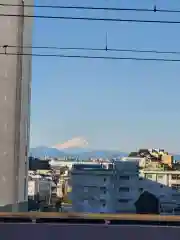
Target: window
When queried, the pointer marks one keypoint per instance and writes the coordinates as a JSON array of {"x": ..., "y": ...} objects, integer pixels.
[
  {"x": 123, "y": 200},
  {"x": 124, "y": 177},
  {"x": 103, "y": 189},
  {"x": 176, "y": 177},
  {"x": 104, "y": 179},
  {"x": 176, "y": 195},
  {"x": 86, "y": 201},
  {"x": 123, "y": 189},
  {"x": 103, "y": 202},
  {"x": 148, "y": 176},
  {"x": 175, "y": 186},
  {"x": 85, "y": 189},
  {"x": 160, "y": 176}
]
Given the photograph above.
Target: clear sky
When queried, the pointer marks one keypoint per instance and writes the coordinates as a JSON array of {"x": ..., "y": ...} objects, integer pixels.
[{"x": 112, "y": 104}]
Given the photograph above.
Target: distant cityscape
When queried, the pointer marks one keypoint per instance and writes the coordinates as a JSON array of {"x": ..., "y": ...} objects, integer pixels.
[
  {"x": 81, "y": 153},
  {"x": 100, "y": 184}
]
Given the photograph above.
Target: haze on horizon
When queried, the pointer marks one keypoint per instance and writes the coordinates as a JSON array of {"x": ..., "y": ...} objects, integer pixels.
[{"x": 82, "y": 143}]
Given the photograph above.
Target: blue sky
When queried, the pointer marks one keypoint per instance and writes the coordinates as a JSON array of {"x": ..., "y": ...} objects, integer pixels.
[{"x": 112, "y": 104}]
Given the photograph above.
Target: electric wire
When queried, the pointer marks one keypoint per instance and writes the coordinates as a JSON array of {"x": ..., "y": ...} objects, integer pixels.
[
  {"x": 96, "y": 49},
  {"x": 95, "y": 19},
  {"x": 92, "y": 57},
  {"x": 154, "y": 9},
  {"x": 91, "y": 19}
]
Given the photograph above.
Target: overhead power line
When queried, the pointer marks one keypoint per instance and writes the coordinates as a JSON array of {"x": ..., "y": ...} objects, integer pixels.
[
  {"x": 96, "y": 49},
  {"x": 92, "y": 57},
  {"x": 91, "y": 19},
  {"x": 154, "y": 9}
]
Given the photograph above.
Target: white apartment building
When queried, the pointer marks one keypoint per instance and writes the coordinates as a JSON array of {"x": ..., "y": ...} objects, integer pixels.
[
  {"x": 164, "y": 184},
  {"x": 168, "y": 178},
  {"x": 115, "y": 190},
  {"x": 40, "y": 187}
]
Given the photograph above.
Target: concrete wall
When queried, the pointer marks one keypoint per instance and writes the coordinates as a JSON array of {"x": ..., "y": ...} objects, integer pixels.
[
  {"x": 15, "y": 76},
  {"x": 25, "y": 104}
]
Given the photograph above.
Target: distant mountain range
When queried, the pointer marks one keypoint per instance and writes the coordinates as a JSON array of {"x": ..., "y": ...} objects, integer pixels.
[
  {"x": 43, "y": 151},
  {"x": 82, "y": 153}
]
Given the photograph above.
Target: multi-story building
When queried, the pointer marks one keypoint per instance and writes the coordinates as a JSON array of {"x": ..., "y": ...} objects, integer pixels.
[
  {"x": 166, "y": 178},
  {"x": 96, "y": 189},
  {"x": 99, "y": 189},
  {"x": 164, "y": 184},
  {"x": 40, "y": 189},
  {"x": 126, "y": 190},
  {"x": 92, "y": 188},
  {"x": 15, "y": 86}
]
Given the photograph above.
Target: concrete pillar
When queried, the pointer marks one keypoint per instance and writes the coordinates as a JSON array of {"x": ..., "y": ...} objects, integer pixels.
[{"x": 15, "y": 79}]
